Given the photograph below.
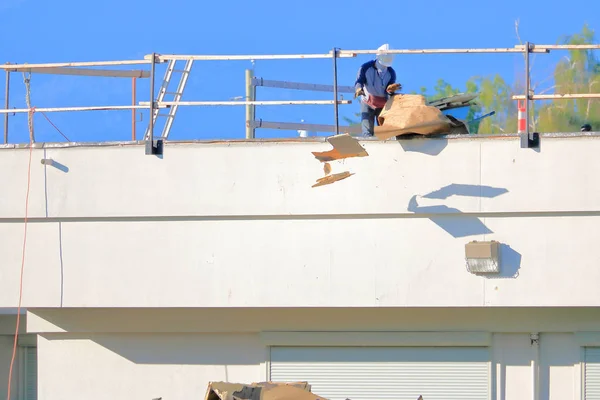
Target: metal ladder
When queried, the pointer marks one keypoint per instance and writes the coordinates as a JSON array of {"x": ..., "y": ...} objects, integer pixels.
[{"x": 185, "y": 72}]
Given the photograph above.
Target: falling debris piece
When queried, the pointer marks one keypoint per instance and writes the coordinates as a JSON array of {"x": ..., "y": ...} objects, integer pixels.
[
  {"x": 409, "y": 113},
  {"x": 344, "y": 146},
  {"x": 327, "y": 168},
  {"x": 332, "y": 178}
]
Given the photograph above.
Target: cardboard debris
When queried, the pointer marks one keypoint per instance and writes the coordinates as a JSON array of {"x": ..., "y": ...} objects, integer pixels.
[
  {"x": 329, "y": 179},
  {"x": 344, "y": 146},
  {"x": 409, "y": 113},
  {"x": 260, "y": 391}
]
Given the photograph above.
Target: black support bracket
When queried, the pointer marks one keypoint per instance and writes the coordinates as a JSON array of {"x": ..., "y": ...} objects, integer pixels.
[
  {"x": 155, "y": 147},
  {"x": 530, "y": 141}
]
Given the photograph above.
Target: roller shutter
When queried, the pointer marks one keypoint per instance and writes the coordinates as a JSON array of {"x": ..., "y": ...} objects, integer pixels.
[
  {"x": 592, "y": 373},
  {"x": 379, "y": 373},
  {"x": 29, "y": 373}
]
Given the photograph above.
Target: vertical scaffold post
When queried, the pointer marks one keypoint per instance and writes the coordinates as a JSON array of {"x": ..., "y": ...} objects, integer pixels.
[
  {"x": 133, "y": 101},
  {"x": 6, "y": 106},
  {"x": 528, "y": 140},
  {"x": 250, "y": 131},
  {"x": 151, "y": 146},
  {"x": 335, "y": 91}
]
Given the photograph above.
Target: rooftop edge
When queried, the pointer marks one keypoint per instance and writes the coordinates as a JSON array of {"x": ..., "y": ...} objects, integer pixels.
[{"x": 316, "y": 139}]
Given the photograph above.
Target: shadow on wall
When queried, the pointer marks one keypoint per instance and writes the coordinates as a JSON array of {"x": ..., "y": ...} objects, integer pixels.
[
  {"x": 431, "y": 145},
  {"x": 462, "y": 225},
  {"x": 510, "y": 263},
  {"x": 178, "y": 349},
  {"x": 457, "y": 226},
  {"x": 459, "y": 189}
]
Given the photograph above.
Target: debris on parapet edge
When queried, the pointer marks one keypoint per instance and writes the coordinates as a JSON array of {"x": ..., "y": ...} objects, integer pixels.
[
  {"x": 329, "y": 179},
  {"x": 344, "y": 146}
]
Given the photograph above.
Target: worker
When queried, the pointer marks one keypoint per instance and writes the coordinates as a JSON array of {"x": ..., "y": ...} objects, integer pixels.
[{"x": 375, "y": 82}]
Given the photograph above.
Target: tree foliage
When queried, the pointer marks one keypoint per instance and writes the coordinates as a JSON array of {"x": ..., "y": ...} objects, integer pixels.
[{"x": 579, "y": 72}]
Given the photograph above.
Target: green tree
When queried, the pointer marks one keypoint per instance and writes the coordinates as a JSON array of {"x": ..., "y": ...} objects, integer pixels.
[{"x": 579, "y": 72}]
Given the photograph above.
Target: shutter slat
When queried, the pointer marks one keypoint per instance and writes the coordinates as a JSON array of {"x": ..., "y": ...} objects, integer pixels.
[
  {"x": 398, "y": 373},
  {"x": 31, "y": 376},
  {"x": 592, "y": 373}
]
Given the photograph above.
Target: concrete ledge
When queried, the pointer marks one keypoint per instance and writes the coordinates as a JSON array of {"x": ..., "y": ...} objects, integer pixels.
[{"x": 316, "y": 139}]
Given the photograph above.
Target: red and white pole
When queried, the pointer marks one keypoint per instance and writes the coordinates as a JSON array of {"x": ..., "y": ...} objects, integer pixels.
[{"x": 522, "y": 118}]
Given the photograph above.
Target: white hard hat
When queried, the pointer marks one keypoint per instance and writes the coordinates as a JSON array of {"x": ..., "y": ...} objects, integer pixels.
[{"x": 385, "y": 59}]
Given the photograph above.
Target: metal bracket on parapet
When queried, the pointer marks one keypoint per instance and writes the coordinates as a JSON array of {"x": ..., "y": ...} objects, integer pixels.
[
  {"x": 155, "y": 147},
  {"x": 530, "y": 140}
]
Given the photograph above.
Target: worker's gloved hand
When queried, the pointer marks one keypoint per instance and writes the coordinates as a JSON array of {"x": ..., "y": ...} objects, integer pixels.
[
  {"x": 359, "y": 92},
  {"x": 393, "y": 87}
]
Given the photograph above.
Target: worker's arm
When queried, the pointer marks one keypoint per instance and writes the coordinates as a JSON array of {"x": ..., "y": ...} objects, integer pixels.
[
  {"x": 392, "y": 85},
  {"x": 361, "y": 79}
]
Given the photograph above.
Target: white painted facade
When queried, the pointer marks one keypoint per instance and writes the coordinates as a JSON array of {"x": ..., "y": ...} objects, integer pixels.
[{"x": 149, "y": 277}]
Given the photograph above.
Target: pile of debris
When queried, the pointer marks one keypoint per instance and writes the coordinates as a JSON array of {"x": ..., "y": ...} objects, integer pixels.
[
  {"x": 262, "y": 391},
  {"x": 411, "y": 114}
]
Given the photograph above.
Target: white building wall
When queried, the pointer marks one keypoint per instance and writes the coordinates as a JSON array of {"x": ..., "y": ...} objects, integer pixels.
[
  {"x": 144, "y": 366},
  {"x": 112, "y": 227},
  {"x": 145, "y": 354},
  {"x": 177, "y": 366}
]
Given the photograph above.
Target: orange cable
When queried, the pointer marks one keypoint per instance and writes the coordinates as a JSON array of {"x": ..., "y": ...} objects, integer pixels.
[{"x": 14, "y": 354}]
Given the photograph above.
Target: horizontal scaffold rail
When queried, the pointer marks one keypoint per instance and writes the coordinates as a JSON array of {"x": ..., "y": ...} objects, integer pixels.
[
  {"x": 300, "y": 86},
  {"x": 444, "y": 51},
  {"x": 109, "y": 73},
  {"x": 246, "y": 103},
  {"x": 544, "y": 48},
  {"x": 340, "y": 54},
  {"x": 75, "y": 64},
  {"x": 62, "y": 109},
  {"x": 176, "y": 57},
  {"x": 291, "y": 126},
  {"x": 566, "y": 96}
]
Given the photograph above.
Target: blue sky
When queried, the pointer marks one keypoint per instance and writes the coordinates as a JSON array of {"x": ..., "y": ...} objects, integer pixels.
[{"x": 69, "y": 30}]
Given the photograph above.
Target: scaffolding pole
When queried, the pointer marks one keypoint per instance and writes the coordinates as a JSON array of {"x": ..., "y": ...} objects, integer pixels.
[
  {"x": 250, "y": 109},
  {"x": 340, "y": 54},
  {"x": 314, "y": 87},
  {"x": 245, "y": 103},
  {"x": 64, "y": 109},
  {"x": 167, "y": 57},
  {"x": 525, "y": 136},
  {"x": 335, "y": 92},
  {"x": 133, "y": 101},
  {"x": 108, "y": 73},
  {"x": 568, "y": 46},
  {"x": 516, "y": 49},
  {"x": 565, "y": 96},
  {"x": 75, "y": 64},
  {"x": 6, "y": 106},
  {"x": 150, "y": 148}
]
